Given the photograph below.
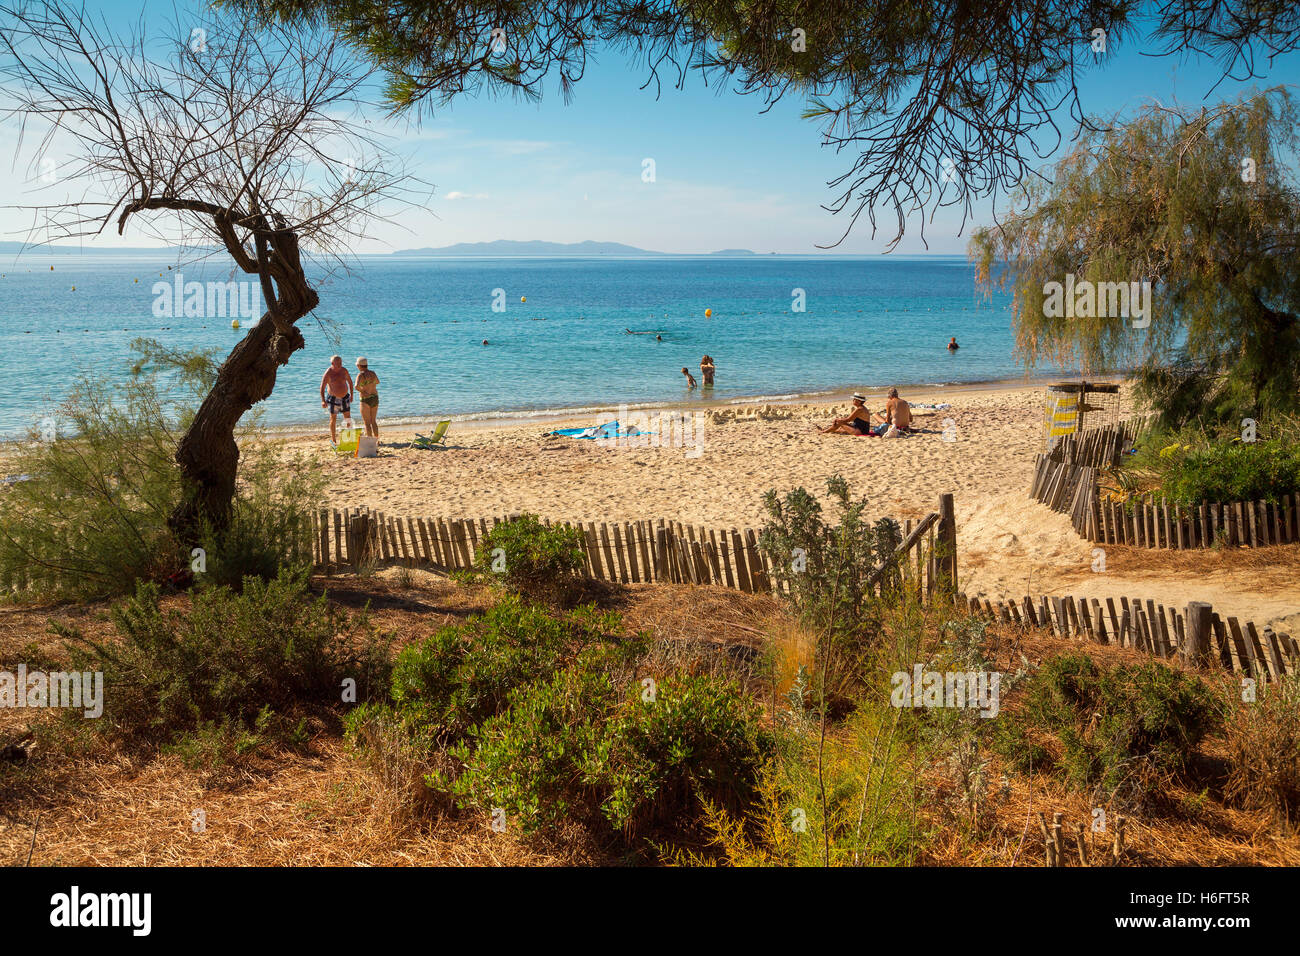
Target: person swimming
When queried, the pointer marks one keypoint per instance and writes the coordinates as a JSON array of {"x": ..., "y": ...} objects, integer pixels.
[
  {"x": 706, "y": 370},
  {"x": 952, "y": 344}
]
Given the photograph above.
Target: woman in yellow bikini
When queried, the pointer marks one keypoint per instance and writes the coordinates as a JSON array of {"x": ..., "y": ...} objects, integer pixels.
[{"x": 368, "y": 388}]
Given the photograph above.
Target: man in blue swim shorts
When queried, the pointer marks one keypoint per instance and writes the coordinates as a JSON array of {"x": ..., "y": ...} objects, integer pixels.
[{"x": 336, "y": 394}]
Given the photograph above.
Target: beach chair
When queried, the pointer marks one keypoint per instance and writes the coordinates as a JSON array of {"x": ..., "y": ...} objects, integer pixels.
[{"x": 438, "y": 437}]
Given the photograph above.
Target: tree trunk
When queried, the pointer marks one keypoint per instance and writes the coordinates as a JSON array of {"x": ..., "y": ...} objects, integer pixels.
[{"x": 207, "y": 454}]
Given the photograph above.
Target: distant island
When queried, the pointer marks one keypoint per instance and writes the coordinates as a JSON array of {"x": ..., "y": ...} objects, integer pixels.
[
  {"x": 91, "y": 249},
  {"x": 536, "y": 247}
]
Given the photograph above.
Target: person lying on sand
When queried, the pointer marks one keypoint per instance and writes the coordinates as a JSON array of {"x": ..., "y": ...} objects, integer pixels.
[
  {"x": 856, "y": 422},
  {"x": 690, "y": 379},
  {"x": 338, "y": 381},
  {"x": 897, "y": 413}
]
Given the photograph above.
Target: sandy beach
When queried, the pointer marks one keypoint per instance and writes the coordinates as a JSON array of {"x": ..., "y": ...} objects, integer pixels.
[{"x": 980, "y": 449}]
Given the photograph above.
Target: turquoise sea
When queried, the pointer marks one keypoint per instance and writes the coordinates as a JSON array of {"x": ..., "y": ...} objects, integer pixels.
[{"x": 868, "y": 322}]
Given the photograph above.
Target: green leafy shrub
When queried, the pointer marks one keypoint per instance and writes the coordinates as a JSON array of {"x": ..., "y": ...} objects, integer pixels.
[
  {"x": 699, "y": 737},
  {"x": 1190, "y": 466},
  {"x": 573, "y": 748},
  {"x": 465, "y": 673},
  {"x": 537, "y": 759},
  {"x": 92, "y": 516},
  {"x": 526, "y": 557},
  {"x": 826, "y": 570},
  {"x": 1264, "y": 747},
  {"x": 228, "y": 659},
  {"x": 1118, "y": 728},
  {"x": 540, "y": 712},
  {"x": 826, "y": 567},
  {"x": 91, "y": 519}
]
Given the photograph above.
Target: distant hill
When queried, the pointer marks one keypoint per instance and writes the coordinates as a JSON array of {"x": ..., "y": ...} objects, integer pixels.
[
  {"x": 500, "y": 248},
  {"x": 536, "y": 247},
  {"x": 91, "y": 249}
]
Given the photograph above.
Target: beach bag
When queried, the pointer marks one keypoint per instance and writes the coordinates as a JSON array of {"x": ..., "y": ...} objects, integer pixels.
[
  {"x": 368, "y": 447},
  {"x": 348, "y": 438},
  {"x": 892, "y": 433}
]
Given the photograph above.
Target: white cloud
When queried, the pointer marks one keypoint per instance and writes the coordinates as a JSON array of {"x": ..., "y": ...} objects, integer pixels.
[{"x": 457, "y": 194}]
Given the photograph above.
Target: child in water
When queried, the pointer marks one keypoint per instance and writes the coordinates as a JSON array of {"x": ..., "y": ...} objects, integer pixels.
[{"x": 690, "y": 379}]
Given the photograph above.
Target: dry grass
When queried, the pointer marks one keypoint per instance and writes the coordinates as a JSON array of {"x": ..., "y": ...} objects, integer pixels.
[
  {"x": 1189, "y": 826},
  {"x": 325, "y": 807},
  {"x": 316, "y": 810},
  {"x": 1188, "y": 831},
  {"x": 1273, "y": 567}
]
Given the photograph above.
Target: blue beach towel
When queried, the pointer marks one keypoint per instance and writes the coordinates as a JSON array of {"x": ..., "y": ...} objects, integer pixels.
[{"x": 607, "y": 430}]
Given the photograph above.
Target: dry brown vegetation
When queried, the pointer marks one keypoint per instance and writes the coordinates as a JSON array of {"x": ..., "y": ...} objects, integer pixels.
[
  {"x": 325, "y": 807},
  {"x": 1272, "y": 567}
]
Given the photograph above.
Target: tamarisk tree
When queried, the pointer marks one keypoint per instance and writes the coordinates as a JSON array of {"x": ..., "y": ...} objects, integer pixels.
[
  {"x": 1198, "y": 208},
  {"x": 220, "y": 134}
]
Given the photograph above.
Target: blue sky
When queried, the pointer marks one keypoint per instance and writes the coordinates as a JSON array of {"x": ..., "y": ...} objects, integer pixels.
[{"x": 726, "y": 176}]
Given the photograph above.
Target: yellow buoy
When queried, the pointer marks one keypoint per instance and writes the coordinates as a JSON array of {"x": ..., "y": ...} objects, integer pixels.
[
  {"x": 234, "y": 323},
  {"x": 523, "y": 298},
  {"x": 74, "y": 288},
  {"x": 51, "y": 268},
  {"x": 708, "y": 313}
]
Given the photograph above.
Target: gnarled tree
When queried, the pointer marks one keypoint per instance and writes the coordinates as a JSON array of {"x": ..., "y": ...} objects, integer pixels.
[{"x": 220, "y": 135}]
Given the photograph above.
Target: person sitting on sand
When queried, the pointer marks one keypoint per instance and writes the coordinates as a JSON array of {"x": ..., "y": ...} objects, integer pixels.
[
  {"x": 690, "y": 379},
  {"x": 856, "y": 422},
  {"x": 368, "y": 389},
  {"x": 897, "y": 413},
  {"x": 706, "y": 370},
  {"x": 338, "y": 381},
  {"x": 952, "y": 344}
]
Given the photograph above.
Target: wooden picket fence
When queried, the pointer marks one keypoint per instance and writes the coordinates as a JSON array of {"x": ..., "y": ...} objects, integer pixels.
[
  {"x": 1195, "y": 632},
  {"x": 629, "y": 552},
  {"x": 660, "y": 551},
  {"x": 1147, "y": 523},
  {"x": 1069, "y": 489},
  {"x": 1066, "y": 480},
  {"x": 1101, "y": 447}
]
